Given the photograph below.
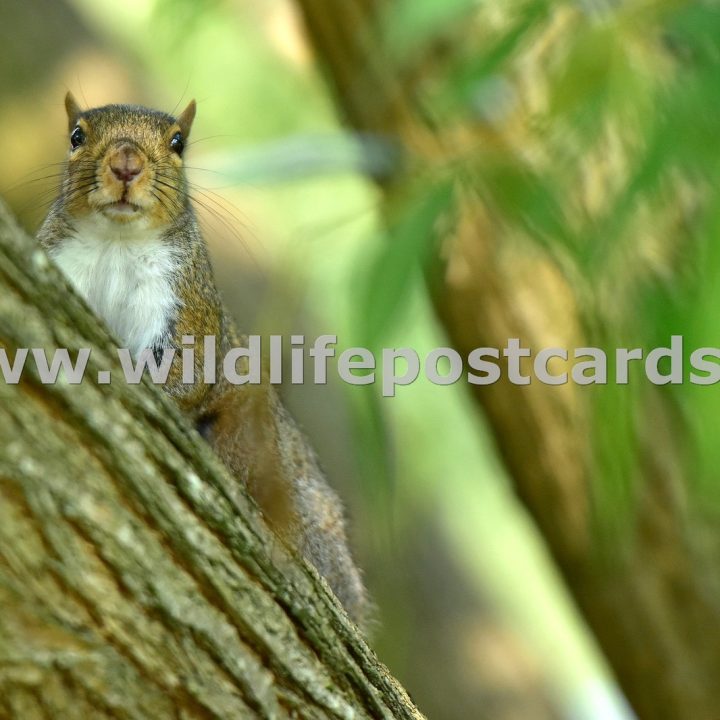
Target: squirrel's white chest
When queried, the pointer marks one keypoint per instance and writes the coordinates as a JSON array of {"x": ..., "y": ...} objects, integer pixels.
[{"x": 127, "y": 280}]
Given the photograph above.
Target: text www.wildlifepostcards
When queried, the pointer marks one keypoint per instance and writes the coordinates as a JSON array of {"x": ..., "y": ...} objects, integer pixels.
[{"x": 248, "y": 365}]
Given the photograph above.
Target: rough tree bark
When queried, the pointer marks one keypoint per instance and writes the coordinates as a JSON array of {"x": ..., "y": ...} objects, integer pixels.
[
  {"x": 652, "y": 606},
  {"x": 137, "y": 580}
]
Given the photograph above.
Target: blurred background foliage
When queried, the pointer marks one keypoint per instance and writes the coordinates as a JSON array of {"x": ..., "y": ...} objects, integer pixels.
[{"x": 604, "y": 167}]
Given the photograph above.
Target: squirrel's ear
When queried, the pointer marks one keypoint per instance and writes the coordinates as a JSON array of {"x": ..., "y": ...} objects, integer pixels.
[
  {"x": 185, "y": 120},
  {"x": 73, "y": 110}
]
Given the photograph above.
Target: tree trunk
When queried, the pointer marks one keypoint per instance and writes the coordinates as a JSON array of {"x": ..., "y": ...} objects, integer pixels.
[
  {"x": 651, "y": 605},
  {"x": 137, "y": 579}
]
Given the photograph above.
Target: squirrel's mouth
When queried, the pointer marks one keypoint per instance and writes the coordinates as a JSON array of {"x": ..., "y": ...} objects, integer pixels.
[{"x": 121, "y": 208}]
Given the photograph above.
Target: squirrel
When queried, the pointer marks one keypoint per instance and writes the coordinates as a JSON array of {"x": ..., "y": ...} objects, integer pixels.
[{"x": 124, "y": 232}]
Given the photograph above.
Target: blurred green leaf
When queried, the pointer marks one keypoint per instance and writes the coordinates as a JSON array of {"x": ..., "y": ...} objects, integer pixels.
[
  {"x": 396, "y": 267},
  {"x": 469, "y": 73},
  {"x": 520, "y": 196}
]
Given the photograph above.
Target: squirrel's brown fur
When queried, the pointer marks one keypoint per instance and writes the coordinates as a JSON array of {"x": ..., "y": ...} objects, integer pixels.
[{"x": 124, "y": 172}]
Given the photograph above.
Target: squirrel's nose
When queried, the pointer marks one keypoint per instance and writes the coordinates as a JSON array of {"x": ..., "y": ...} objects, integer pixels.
[{"x": 126, "y": 163}]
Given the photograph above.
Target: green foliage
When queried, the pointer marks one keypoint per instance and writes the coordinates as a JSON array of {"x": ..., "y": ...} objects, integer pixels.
[
  {"x": 405, "y": 253},
  {"x": 634, "y": 84}
]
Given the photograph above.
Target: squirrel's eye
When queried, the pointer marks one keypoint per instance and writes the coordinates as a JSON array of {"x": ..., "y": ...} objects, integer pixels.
[
  {"x": 77, "y": 137},
  {"x": 177, "y": 144}
]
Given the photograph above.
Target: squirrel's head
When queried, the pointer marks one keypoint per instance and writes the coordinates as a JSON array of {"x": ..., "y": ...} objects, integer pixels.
[{"x": 125, "y": 163}]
